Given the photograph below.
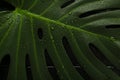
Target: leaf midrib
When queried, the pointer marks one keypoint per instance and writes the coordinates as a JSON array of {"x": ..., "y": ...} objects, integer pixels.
[{"x": 27, "y": 13}]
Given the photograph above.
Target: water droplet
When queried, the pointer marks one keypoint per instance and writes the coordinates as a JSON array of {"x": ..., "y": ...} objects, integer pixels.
[
  {"x": 7, "y": 17},
  {"x": 112, "y": 38},
  {"x": 63, "y": 67},
  {"x": 52, "y": 28},
  {"x": 110, "y": 67},
  {"x": 69, "y": 13},
  {"x": 51, "y": 37}
]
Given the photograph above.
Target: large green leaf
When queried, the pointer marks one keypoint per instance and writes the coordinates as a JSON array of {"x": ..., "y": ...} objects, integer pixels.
[{"x": 77, "y": 39}]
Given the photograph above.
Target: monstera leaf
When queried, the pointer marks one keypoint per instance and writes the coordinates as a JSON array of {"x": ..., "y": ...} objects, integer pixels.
[{"x": 60, "y": 39}]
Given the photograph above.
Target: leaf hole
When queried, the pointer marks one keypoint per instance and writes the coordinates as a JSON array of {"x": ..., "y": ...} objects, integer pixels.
[
  {"x": 73, "y": 59},
  {"x": 103, "y": 59},
  {"x": 40, "y": 33},
  {"x": 28, "y": 68},
  {"x": 4, "y": 67},
  {"x": 113, "y": 26},
  {"x": 93, "y": 12},
  {"x": 6, "y": 6},
  {"x": 51, "y": 68},
  {"x": 69, "y": 51},
  {"x": 83, "y": 73},
  {"x": 67, "y": 3},
  {"x": 99, "y": 54}
]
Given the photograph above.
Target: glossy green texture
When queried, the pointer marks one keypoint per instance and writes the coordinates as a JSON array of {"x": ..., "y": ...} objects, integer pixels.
[{"x": 19, "y": 37}]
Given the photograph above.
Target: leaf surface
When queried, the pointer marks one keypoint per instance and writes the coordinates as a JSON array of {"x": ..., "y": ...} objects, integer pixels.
[{"x": 76, "y": 39}]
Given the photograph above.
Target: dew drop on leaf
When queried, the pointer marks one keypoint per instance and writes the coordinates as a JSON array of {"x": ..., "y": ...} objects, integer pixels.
[
  {"x": 112, "y": 38},
  {"x": 52, "y": 28},
  {"x": 63, "y": 67},
  {"x": 51, "y": 37},
  {"x": 8, "y": 17},
  {"x": 110, "y": 67},
  {"x": 69, "y": 13},
  {"x": 118, "y": 43}
]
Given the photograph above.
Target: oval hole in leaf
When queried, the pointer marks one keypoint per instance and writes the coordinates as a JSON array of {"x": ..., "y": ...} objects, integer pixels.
[
  {"x": 6, "y": 6},
  {"x": 74, "y": 61},
  {"x": 69, "y": 51},
  {"x": 4, "y": 67},
  {"x": 67, "y": 3},
  {"x": 103, "y": 59},
  {"x": 113, "y": 26},
  {"x": 28, "y": 68},
  {"x": 51, "y": 68},
  {"x": 93, "y": 12},
  {"x": 40, "y": 33}
]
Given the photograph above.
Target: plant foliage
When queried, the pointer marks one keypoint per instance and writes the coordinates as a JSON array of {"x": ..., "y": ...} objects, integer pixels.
[{"x": 60, "y": 39}]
